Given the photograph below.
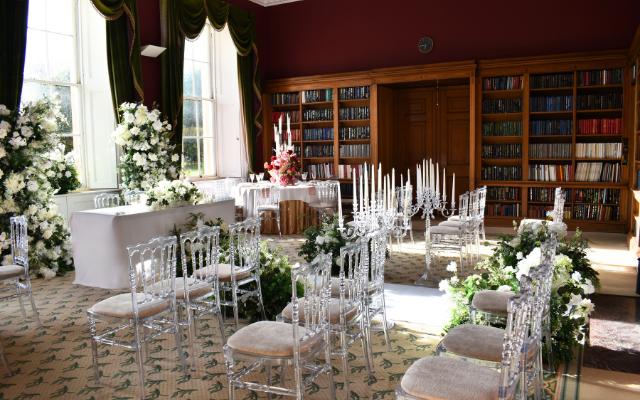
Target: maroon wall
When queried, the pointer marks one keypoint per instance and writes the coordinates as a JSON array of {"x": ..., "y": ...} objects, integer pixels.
[{"x": 325, "y": 36}]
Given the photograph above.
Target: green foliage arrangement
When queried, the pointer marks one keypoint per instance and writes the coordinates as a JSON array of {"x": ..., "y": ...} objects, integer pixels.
[
  {"x": 323, "y": 238},
  {"x": 574, "y": 281},
  {"x": 63, "y": 174}
]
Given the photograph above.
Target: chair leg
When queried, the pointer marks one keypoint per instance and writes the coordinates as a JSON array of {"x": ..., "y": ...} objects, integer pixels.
[
  {"x": 366, "y": 347},
  {"x": 234, "y": 299},
  {"x": 328, "y": 366},
  {"x": 94, "y": 349},
  {"x": 267, "y": 367},
  {"x": 34, "y": 309},
  {"x": 259, "y": 289},
  {"x": 384, "y": 323},
  {"x": 20, "y": 301},
  {"x": 140, "y": 359},
  {"x": 218, "y": 313},
  {"x": 278, "y": 222},
  {"x": 345, "y": 360},
  {"x": 178, "y": 339},
  {"x": 191, "y": 331}
]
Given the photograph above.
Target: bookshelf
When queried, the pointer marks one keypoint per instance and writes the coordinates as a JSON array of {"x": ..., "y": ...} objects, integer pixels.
[
  {"x": 543, "y": 125},
  {"x": 333, "y": 127}
]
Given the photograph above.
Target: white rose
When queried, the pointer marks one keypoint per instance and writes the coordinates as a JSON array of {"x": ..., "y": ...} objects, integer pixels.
[
  {"x": 444, "y": 286},
  {"x": 4, "y": 111},
  {"x": 67, "y": 174},
  {"x": 452, "y": 267},
  {"x": 576, "y": 276},
  {"x": 32, "y": 186},
  {"x": 505, "y": 288},
  {"x": 153, "y": 157},
  {"x": 128, "y": 118},
  {"x": 175, "y": 158},
  {"x": 47, "y": 273},
  {"x": 157, "y": 125}
]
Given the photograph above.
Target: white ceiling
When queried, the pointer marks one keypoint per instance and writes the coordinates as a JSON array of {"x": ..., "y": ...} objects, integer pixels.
[{"x": 269, "y": 3}]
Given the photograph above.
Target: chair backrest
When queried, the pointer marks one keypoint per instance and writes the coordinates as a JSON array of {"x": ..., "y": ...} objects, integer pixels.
[
  {"x": 377, "y": 256},
  {"x": 558, "y": 205},
  {"x": 267, "y": 195},
  {"x": 152, "y": 270},
  {"x": 482, "y": 201},
  {"x": 314, "y": 279},
  {"x": 104, "y": 200},
  {"x": 199, "y": 251},
  {"x": 130, "y": 197},
  {"x": 20, "y": 242},
  {"x": 327, "y": 193},
  {"x": 353, "y": 274},
  {"x": 402, "y": 193},
  {"x": 519, "y": 312},
  {"x": 244, "y": 246},
  {"x": 463, "y": 204}
]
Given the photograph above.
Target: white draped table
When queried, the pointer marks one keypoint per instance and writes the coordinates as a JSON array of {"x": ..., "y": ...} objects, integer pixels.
[
  {"x": 246, "y": 193},
  {"x": 100, "y": 237}
]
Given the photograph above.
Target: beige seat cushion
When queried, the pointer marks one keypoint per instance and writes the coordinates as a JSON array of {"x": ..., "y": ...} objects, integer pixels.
[
  {"x": 492, "y": 301},
  {"x": 120, "y": 306},
  {"x": 196, "y": 287},
  {"x": 450, "y": 378},
  {"x": 334, "y": 311},
  {"x": 10, "y": 271},
  {"x": 454, "y": 224},
  {"x": 444, "y": 230},
  {"x": 475, "y": 341},
  {"x": 267, "y": 338},
  {"x": 224, "y": 273}
]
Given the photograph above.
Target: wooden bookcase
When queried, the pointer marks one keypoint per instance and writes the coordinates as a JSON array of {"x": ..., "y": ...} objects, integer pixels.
[
  {"x": 549, "y": 129},
  {"x": 633, "y": 126}
]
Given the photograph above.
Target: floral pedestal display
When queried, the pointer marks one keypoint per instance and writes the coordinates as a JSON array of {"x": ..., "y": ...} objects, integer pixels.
[
  {"x": 173, "y": 194},
  {"x": 147, "y": 155},
  {"x": 574, "y": 281},
  {"x": 284, "y": 168},
  {"x": 26, "y": 171}
]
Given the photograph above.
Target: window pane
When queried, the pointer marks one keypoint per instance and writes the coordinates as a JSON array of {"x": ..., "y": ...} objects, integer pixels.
[
  {"x": 60, "y": 16},
  {"x": 37, "y": 17},
  {"x": 207, "y": 157},
  {"x": 187, "y": 82},
  {"x": 189, "y": 156},
  {"x": 35, "y": 65},
  {"x": 68, "y": 143},
  {"x": 192, "y": 118},
  {"x": 61, "y": 57}
]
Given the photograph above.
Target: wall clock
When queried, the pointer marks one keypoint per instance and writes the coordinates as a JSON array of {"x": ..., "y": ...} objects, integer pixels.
[{"x": 425, "y": 45}]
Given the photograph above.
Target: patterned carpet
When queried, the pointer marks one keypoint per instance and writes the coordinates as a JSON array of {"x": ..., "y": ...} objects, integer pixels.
[{"x": 54, "y": 361}]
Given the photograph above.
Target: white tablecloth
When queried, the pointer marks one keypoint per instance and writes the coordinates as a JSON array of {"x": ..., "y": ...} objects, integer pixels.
[
  {"x": 100, "y": 237},
  {"x": 246, "y": 194}
]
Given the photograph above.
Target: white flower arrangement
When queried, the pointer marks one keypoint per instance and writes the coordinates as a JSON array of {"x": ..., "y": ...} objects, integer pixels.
[
  {"x": 147, "y": 155},
  {"x": 26, "y": 139},
  {"x": 173, "y": 193}
]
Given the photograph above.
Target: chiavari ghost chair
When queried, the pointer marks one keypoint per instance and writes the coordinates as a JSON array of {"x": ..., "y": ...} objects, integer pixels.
[
  {"x": 452, "y": 238},
  {"x": 104, "y": 200},
  {"x": 149, "y": 310},
  {"x": 325, "y": 201},
  {"x": 304, "y": 344},
  {"x": 376, "y": 303},
  {"x": 267, "y": 203},
  {"x": 402, "y": 193}
]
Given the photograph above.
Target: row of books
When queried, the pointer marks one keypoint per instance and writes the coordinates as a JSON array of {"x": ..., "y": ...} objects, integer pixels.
[
  {"x": 501, "y": 173},
  {"x": 497, "y": 193},
  {"x": 285, "y": 98},
  {"x": 550, "y": 172},
  {"x": 346, "y": 190},
  {"x": 503, "y": 210},
  {"x": 551, "y": 103},
  {"x": 353, "y": 93},
  {"x": 602, "y": 101},
  {"x": 317, "y": 114},
  {"x": 600, "y": 77},
  {"x": 354, "y": 132},
  {"x": 502, "y": 83},
  {"x": 320, "y": 171},
  {"x": 353, "y": 113},
  {"x": 318, "y": 134},
  {"x": 600, "y": 126},
  {"x": 597, "y": 172},
  {"x": 318, "y": 95},
  {"x": 596, "y": 212},
  {"x": 294, "y": 115},
  {"x": 546, "y": 194},
  {"x": 540, "y": 212},
  {"x": 354, "y": 150},
  {"x": 495, "y": 106},
  {"x": 550, "y": 150},
  {"x": 502, "y": 150},
  {"x": 597, "y": 196},
  {"x": 346, "y": 171},
  {"x": 544, "y": 127},
  {"x": 295, "y": 135},
  {"x": 502, "y": 128},
  {"x": 549, "y": 81},
  {"x": 296, "y": 148},
  {"x": 599, "y": 150},
  {"x": 318, "y": 150}
]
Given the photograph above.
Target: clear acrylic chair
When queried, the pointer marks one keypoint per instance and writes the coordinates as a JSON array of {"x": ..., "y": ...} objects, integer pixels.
[
  {"x": 325, "y": 201},
  {"x": 16, "y": 274},
  {"x": 453, "y": 235},
  {"x": 376, "y": 303},
  {"x": 198, "y": 291},
  {"x": 149, "y": 310},
  {"x": 267, "y": 203},
  {"x": 455, "y": 378},
  {"x": 347, "y": 307},
  {"x": 239, "y": 275},
  {"x": 304, "y": 344},
  {"x": 104, "y": 200},
  {"x": 470, "y": 222},
  {"x": 402, "y": 193},
  {"x": 130, "y": 197}
]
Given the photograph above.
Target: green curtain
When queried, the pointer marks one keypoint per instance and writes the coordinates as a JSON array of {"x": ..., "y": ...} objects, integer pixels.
[
  {"x": 13, "y": 45},
  {"x": 123, "y": 50},
  {"x": 186, "y": 18}
]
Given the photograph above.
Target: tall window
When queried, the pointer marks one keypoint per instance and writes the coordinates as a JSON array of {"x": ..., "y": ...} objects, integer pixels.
[
  {"x": 211, "y": 143},
  {"x": 66, "y": 59},
  {"x": 51, "y": 65}
]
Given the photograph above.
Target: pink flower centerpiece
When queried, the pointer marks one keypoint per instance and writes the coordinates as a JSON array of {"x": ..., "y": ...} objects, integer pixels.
[{"x": 284, "y": 168}]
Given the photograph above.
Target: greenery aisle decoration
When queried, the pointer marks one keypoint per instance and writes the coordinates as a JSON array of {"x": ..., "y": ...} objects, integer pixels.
[
  {"x": 62, "y": 174},
  {"x": 147, "y": 156},
  {"x": 275, "y": 272},
  {"x": 573, "y": 282},
  {"x": 26, "y": 139},
  {"x": 325, "y": 238}
]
